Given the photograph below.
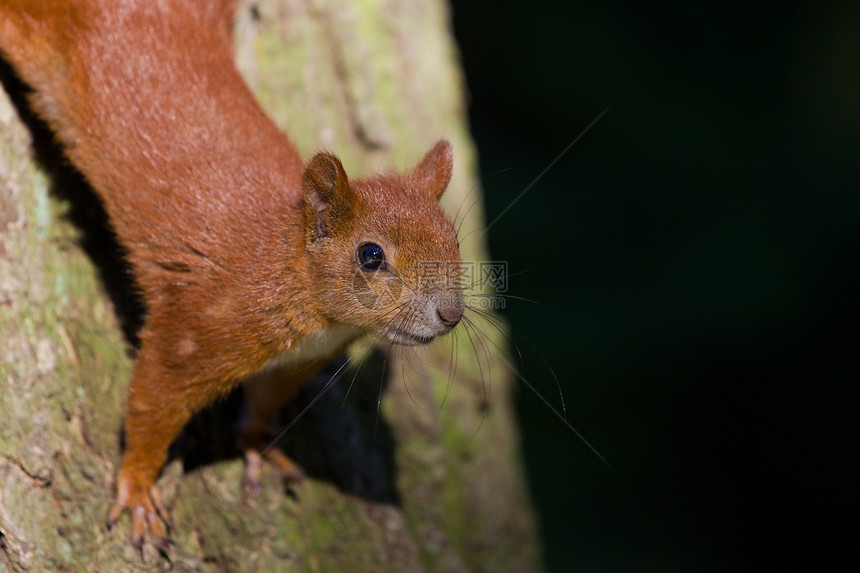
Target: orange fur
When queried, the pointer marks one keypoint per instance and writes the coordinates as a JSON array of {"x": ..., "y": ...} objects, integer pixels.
[{"x": 245, "y": 257}]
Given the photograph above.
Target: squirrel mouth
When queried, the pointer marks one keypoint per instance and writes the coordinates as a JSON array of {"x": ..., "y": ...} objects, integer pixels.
[{"x": 404, "y": 338}]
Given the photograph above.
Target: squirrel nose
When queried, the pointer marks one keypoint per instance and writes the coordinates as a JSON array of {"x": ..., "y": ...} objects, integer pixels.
[{"x": 450, "y": 314}]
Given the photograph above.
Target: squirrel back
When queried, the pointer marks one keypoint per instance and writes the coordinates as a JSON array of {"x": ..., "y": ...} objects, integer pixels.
[{"x": 105, "y": 81}]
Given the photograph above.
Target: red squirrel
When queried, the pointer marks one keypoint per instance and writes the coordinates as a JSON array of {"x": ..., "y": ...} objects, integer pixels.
[{"x": 253, "y": 265}]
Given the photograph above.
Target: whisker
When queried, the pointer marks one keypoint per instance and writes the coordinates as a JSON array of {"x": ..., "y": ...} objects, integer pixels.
[
  {"x": 459, "y": 224},
  {"x": 497, "y": 323},
  {"x": 475, "y": 202},
  {"x": 509, "y": 297},
  {"x": 450, "y": 382},
  {"x": 469, "y": 324},
  {"x": 469, "y": 234},
  {"x": 357, "y": 370},
  {"x": 481, "y": 280},
  {"x": 546, "y": 169},
  {"x": 452, "y": 369},
  {"x": 477, "y": 354},
  {"x": 381, "y": 385},
  {"x": 490, "y": 296},
  {"x": 546, "y": 402},
  {"x": 403, "y": 365},
  {"x": 326, "y": 387}
]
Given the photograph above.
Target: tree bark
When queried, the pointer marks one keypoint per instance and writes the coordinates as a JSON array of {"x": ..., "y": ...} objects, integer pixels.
[{"x": 429, "y": 481}]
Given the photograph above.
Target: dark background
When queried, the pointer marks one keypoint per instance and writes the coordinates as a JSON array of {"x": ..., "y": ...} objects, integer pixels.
[{"x": 699, "y": 250}]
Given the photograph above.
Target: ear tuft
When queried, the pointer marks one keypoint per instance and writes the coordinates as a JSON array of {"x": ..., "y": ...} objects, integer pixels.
[
  {"x": 434, "y": 171},
  {"x": 323, "y": 182}
]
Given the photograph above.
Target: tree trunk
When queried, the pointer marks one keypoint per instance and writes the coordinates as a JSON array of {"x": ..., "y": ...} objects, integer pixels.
[{"x": 428, "y": 481}]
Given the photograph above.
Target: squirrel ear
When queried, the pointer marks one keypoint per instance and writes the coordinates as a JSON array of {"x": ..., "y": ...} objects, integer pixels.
[
  {"x": 323, "y": 182},
  {"x": 434, "y": 171}
]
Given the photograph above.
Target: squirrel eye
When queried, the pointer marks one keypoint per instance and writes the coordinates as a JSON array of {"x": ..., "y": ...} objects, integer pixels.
[{"x": 370, "y": 256}]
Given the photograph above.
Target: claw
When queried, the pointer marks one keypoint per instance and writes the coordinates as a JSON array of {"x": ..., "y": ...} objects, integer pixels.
[
  {"x": 147, "y": 511},
  {"x": 155, "y": 496},
  {"x": 118, "y": 505},
  {"x": 156, "y": 526},
  {"x": 163, "y": 544},
  {"x": 251, "y": 485},
  {"x": 138, "y": 526}
]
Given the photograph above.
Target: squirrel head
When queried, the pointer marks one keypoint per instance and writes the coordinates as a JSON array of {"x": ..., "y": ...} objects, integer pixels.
[{"x": 381, "y": 254}]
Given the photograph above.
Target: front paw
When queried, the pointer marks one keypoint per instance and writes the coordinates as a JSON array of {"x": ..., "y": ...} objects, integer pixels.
[{"x": 147, "y": 510}]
